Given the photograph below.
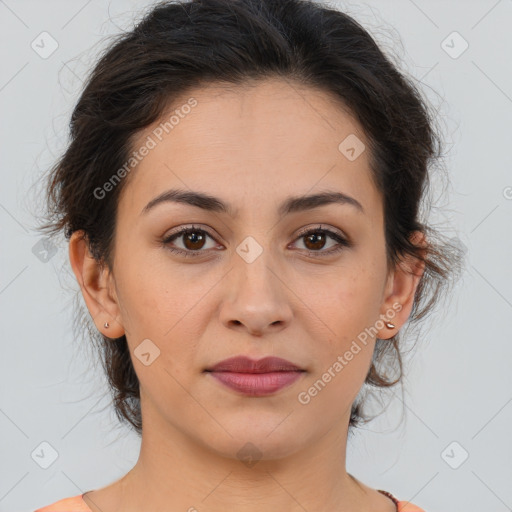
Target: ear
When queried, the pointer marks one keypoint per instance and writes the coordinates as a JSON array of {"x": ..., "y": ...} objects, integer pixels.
[
  {"x": 97, "y": 285},
  {"x": 400, "y": 289}
]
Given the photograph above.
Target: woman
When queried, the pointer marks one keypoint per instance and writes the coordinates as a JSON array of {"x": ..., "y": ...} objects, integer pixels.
[{"x": 241, "y": 196}]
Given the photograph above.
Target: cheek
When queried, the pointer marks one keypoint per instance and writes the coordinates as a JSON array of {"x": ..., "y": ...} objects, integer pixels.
[
  {"x": 154, "y": 294},
  {"x": 348, "y": 300},
  {"x": 348, "y": 307},
  {"x": 167, "y": 305},
  {"x": 343, "y": 362}
]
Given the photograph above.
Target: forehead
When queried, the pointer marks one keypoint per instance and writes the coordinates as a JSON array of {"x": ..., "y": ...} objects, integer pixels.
[{"x": 263, "y": 139}]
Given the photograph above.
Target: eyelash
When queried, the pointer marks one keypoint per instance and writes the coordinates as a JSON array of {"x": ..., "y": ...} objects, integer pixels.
[{"x": 342, "y": 242}]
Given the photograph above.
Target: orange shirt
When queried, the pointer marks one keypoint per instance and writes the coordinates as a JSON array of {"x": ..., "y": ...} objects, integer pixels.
[{"x": 77, "y": 504}]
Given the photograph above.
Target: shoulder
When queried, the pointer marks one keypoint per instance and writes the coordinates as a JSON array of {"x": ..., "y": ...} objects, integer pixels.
[
  {"x": 401, "y": 506},
  {"x": 405, "y": 506},
  {"x": 72, "y": 504}
]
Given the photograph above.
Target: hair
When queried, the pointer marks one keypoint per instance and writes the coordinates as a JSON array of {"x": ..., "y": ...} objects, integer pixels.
[{"x": 180, "y": 46}]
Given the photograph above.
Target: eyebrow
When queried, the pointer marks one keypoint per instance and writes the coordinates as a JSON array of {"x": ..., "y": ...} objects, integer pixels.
[{"x": 290, "y": 205}]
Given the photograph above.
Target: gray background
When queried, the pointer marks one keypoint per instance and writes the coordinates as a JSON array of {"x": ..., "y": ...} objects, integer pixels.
[{"x": 458, "y": 386}]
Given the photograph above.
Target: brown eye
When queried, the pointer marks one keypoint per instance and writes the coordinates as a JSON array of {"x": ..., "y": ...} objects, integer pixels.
[
  {"x": 315, "y": 240},
  {"x": 193, "y": 241}
]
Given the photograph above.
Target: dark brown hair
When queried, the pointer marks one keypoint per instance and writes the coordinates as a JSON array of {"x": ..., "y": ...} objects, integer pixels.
[{"x": 179, "y": 46}]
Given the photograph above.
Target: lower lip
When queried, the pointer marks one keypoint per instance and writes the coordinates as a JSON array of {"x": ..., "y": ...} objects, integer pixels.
[{"x": 257, "y": 384}]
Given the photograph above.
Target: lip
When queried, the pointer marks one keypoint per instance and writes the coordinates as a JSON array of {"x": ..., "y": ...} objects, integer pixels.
[
  {"x": 260, "y": 377},
  {"x": 243, "y": 364}
]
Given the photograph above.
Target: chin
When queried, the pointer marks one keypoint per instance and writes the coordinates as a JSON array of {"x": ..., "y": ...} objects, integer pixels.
[{"x": 253, "y": 440}]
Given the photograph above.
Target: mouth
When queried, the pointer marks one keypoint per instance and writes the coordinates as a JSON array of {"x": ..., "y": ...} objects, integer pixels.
[{"x": 250, "y": 377}]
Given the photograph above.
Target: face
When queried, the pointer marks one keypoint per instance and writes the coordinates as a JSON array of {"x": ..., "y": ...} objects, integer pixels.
[{"x": 307, "y": 283}]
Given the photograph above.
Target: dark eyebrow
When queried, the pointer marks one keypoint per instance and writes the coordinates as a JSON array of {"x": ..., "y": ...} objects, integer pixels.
[{"x": 290, "y": 205}]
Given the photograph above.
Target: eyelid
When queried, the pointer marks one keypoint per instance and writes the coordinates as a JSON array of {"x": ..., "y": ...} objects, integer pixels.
[
  {"x": 321, "y": 227},
  {"x": 343, "y": 241},
  {"x": 167, "y": 238}
]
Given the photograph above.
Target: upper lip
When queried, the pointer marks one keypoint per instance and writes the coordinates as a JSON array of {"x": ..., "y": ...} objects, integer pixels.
[{"x": 243, "y": 364}]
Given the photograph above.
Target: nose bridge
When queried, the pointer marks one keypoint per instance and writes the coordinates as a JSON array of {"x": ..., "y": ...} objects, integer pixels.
[
  {"x": 254, "y": 268},
  {"x": 256, "y": 296}
]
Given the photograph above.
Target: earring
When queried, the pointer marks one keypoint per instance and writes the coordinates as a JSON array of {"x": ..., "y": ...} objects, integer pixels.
[
  {"x": 389, "y": 325},
  {"x": 106, "y": 325}
]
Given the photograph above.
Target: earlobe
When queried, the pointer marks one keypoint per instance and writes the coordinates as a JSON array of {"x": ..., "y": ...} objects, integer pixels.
[
  {"x": 94, "y": 280},
  {"x": 401, "y": 289}
]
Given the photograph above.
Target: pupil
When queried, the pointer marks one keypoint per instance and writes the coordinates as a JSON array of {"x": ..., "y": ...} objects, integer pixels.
[
  {"x": 317, "y": 240},
  {"x": 194, "y": 238}
]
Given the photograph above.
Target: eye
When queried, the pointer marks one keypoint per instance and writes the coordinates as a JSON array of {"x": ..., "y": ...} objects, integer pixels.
[
  {"x": 193, "y": 239},
  {"x": 315, "y": 239}
]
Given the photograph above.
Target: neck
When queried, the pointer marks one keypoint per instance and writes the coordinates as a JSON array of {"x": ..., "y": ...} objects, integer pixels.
[{"x": 174, "y": 472}]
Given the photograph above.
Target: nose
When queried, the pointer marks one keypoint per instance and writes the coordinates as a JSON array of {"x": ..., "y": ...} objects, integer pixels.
[{"x": 256, "y": 298}]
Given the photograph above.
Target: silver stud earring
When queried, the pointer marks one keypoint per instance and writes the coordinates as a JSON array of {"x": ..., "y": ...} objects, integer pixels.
[
  {"x": 389, "y": 325},
  {"x": 106, "y": 325}
]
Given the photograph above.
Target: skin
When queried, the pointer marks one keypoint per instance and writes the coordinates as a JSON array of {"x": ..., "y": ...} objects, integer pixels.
[{"x": 252, "y": 147}]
